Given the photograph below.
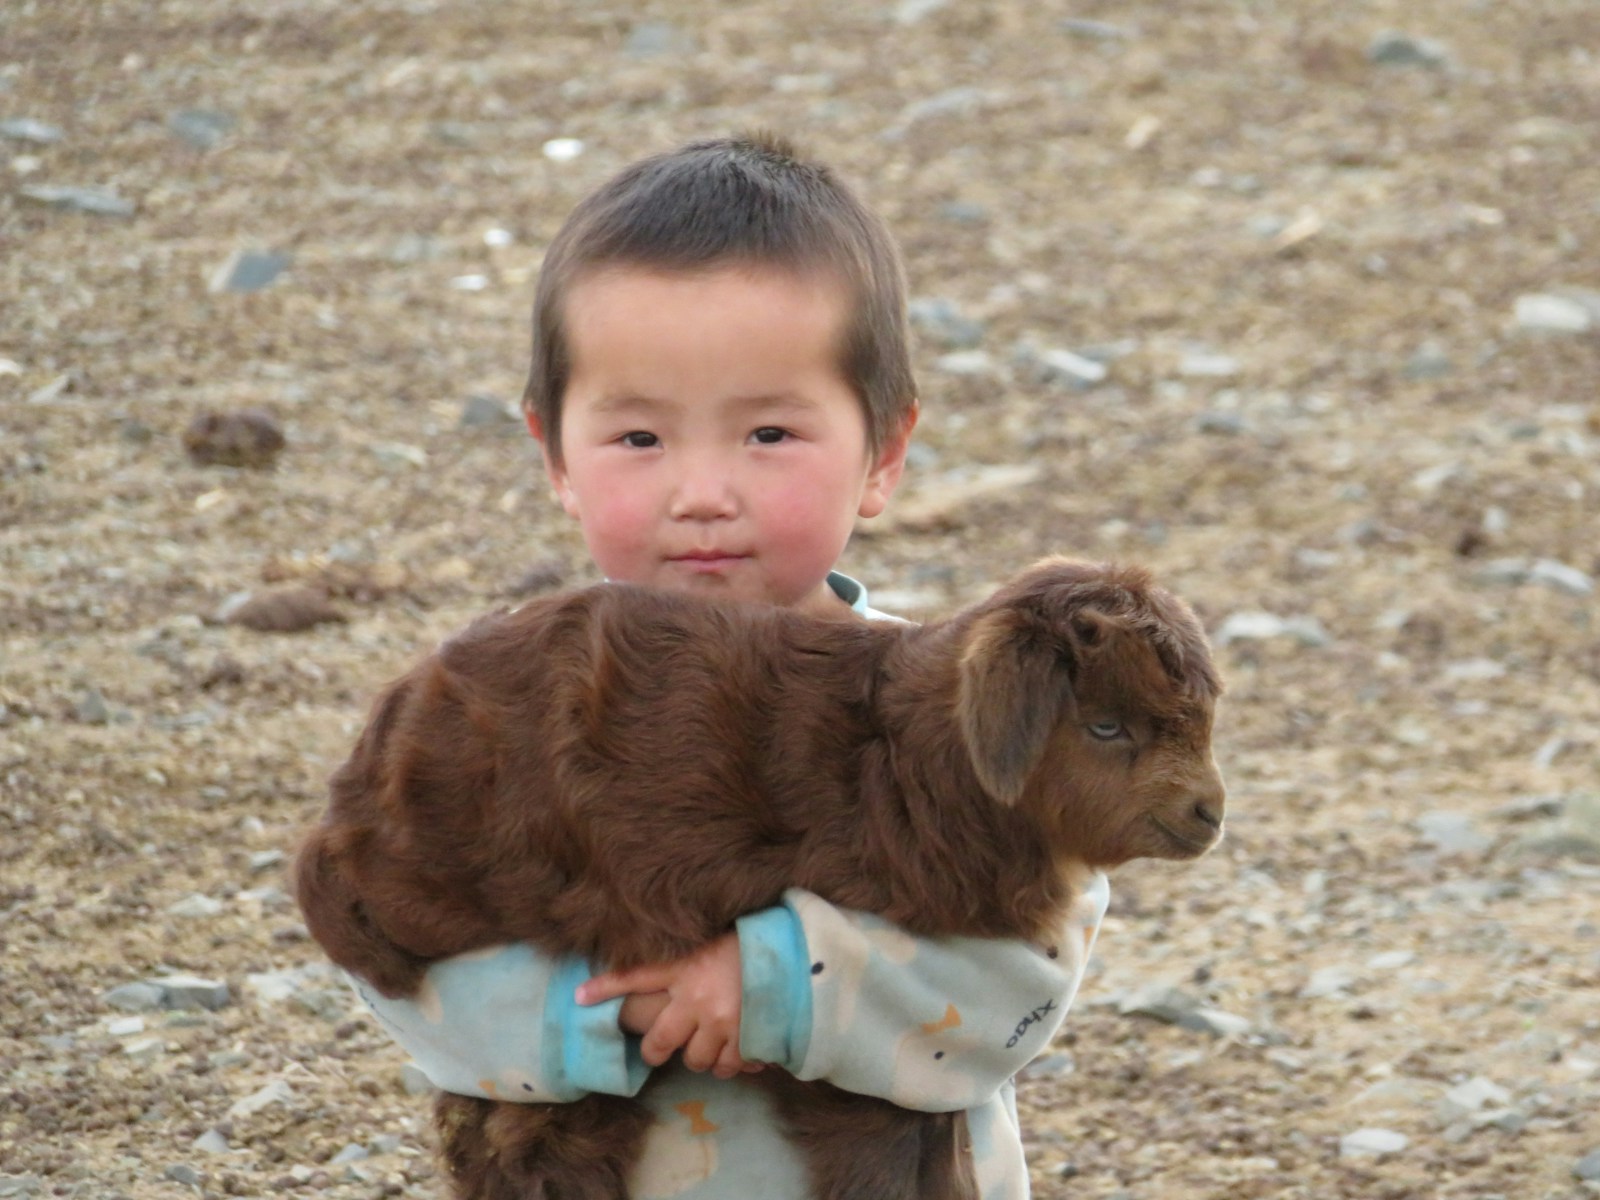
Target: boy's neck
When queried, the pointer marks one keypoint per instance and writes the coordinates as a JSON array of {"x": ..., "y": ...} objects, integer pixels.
[{"x": 827, "y": 603}]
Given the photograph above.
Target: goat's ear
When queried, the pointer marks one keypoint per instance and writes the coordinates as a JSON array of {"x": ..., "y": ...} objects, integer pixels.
[
  {"x": 1012, "y": 684},
  {"x": 1091, "y": 628}
]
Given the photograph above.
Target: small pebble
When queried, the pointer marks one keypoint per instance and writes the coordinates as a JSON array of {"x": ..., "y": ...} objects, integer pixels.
[
  {"x": 942, "y": 322},
  {"x": 1260, "y": 626},
  {"x": 1327, "y": 982},
  {"x": 201, "y": 128},
  {"x": 191, "y": 992},
  {"x": 1372, "y": 1143},
  {"x": 135, "y": 997},
  {"x": 265, "y": 860},
  {"x": 1541, "y": 313},
  {"x": 1059, "y": 366},
  {"x": 481, "y": 412},
  {"x": 1393, "y": 49},
  {"x": 248, "y": 271},
  {"x": 91, "y": 708},
  {"x": 145, "y": 1049},
  {"x": 563, "y": 149},
  {"x": 246, "y": 437},
  {"x": 1096, "y": 31},
  {"x": 95, "y": 202},
  {"x": 26, "y": 129},
  {"x": 195, "y": 905},
  {"x": 1208, "y": 365},
  {"x": 276, "y": 1092}
]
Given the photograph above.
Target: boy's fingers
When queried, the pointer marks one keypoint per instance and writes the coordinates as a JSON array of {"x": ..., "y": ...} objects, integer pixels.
[
  {"x": 611, "y": 984},
  {"x": 729, "y": 1063},
  {"x": 671, "y": 1030},
  {"x": 704, "y": 1050}
]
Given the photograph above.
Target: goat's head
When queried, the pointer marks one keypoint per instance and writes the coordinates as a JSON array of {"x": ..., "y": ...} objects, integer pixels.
[{"x": 1086, "y": 695}]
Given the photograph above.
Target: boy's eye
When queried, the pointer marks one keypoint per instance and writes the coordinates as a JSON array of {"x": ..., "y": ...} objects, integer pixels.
[
  {"x": 639, "y": 439},
  {"x": 770, "y": 435}
]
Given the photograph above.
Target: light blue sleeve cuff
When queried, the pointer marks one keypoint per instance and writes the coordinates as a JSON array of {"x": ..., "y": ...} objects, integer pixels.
[
  {"x": 585, "y": 1049},
  {"x": 775, "y": 1019}
]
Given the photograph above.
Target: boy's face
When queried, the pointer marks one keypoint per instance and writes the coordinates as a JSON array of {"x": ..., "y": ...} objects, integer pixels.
[{"x": 709, "y": 441}]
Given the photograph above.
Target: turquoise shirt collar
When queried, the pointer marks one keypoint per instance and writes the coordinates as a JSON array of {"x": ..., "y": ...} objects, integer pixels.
[{"x": 851, "y": 591}]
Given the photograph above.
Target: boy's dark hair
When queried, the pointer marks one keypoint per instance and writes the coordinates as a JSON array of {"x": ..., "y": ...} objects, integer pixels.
[{"x": 748, "y": 199}]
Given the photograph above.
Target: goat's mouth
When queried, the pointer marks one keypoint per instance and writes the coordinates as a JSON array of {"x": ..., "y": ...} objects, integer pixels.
[{"x": 1189, "y": 845}]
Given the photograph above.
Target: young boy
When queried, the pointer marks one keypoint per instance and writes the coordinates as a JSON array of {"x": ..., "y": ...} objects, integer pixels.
[{"x": 721, "y": 386}]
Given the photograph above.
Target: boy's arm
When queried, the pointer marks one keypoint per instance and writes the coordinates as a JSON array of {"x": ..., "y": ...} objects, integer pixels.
[
  {"x": 937, "y": 1024},
  {"x": 503, "y": 1023}
]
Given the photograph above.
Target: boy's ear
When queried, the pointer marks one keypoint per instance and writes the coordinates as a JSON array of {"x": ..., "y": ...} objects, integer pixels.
[
  {"x": 558, "y": 474},
  {"x": 887, "y": 467}
]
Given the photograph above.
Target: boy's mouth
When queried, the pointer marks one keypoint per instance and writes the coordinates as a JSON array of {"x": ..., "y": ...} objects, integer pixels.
[{"x": 707, "y": 560}]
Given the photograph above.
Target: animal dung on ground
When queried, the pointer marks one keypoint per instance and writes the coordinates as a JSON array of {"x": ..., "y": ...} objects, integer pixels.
[
  {"x": 246, "y": 437},
  {"x": 620, "y": 773},
  {"x": 280, "y": 610}
]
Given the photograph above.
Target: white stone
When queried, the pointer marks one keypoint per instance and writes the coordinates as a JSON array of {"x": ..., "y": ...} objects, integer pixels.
[
  {"x": 563, "y": 149},
  {"x": 1261, "y": 626},
  {"x": 1561, "y": 577},
  {"x": 1222, "y": 1024},
  {"x": 1074, "y": 366},
  {"x": 965, "y": 362},
  {"x": 1368, "y": 1143},
  {"x": 195, "y": 905},
  {"x": 1452, "y": 833},
  {"x": 211, "y": 1142},
  {"x": 1477, "y": 1092},
  {"x": 276, "y": 1092},
  {"x": 1207, "y": 365},
  {"x": 909, "y": 12},
  {"x": 1391, "y": 960},
  {"x": 1328, "y": 981},
  {"x": 1471, "y": 670},
  {"x": 1540, "y": 312},
  {"x": 143, "y": 1049}
]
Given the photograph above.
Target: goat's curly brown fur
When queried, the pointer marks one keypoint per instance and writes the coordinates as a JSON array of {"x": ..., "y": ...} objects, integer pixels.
[{"x": 620, "y": 773}]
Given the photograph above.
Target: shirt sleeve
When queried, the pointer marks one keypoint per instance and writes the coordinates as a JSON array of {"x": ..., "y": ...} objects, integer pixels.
[
  {"x": 936, "y": 1024},
  {"x": 503, "y": 1024}
]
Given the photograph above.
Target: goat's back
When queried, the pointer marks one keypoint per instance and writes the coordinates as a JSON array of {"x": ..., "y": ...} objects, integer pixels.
[{"x": 616, "y": 772}]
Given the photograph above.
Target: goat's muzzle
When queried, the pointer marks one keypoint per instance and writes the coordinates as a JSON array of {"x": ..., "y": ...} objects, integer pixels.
[{"x": 1192, "y": 824}]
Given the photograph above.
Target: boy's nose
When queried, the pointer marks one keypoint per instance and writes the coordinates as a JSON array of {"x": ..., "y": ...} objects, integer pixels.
[{"x": 704, "y": 493}]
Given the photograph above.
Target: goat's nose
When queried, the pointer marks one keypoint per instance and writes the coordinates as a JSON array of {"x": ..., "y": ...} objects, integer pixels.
[{"x": 1209, "y": 811}]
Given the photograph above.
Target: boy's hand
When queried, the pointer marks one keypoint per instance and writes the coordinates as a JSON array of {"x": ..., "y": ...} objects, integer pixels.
[{"x": 691, "y": 1003}]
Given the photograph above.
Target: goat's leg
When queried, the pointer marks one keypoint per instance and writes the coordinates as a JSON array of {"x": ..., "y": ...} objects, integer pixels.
[
  {"x": 584, "y": 1150},
  {"x": 863, "y": 1148}
]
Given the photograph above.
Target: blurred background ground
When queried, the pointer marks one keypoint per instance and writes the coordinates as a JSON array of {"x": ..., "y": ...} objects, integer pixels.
[{"x": 1297, "y": 302}]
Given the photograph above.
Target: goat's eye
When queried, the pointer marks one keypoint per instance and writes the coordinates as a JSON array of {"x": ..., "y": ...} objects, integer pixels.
[{"x": 1106, "y": 731}]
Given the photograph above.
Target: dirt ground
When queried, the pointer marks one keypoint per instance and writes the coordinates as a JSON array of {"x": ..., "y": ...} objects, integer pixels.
[{"x": 1296, "y": 250}]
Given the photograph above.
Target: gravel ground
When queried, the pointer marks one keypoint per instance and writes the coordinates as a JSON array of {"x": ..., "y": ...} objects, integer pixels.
[{"x": 1298, "y": 303}]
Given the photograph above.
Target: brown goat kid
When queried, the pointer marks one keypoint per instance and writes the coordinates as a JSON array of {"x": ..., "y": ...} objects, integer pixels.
[{"x": 620, "y": 773}]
